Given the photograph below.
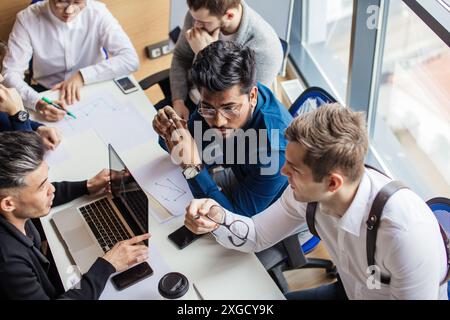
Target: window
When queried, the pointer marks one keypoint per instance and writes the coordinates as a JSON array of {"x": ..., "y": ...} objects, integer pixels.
[
  {"x": 400, "y": 77},
  {"x": 411, "y": 129},
  {"x": 321, "y": 32}
]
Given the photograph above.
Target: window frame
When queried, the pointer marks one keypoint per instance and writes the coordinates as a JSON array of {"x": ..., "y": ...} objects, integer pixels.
[{"x": 365, "y": 68}]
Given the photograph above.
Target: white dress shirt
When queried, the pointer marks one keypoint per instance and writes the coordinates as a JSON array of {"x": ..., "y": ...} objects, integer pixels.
[
  {"x": 409, "y": 245},
  {"x": 61, "y": 49}
]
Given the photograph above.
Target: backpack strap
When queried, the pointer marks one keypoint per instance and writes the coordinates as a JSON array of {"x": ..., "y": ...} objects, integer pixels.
[
  {"x": 373, "y": 221},
  {"x": 311, "y": 218},
  {"x": 312, "y": 206}
]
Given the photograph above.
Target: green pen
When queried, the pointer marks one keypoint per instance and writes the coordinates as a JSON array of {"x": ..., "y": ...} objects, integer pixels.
[{"x": 57, "y": 106}]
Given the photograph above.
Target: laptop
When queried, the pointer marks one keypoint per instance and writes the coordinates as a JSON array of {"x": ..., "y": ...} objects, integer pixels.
[{"x": 92, "y": 229}]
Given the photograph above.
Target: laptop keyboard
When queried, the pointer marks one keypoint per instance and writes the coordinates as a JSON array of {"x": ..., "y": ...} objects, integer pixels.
[
  {"x": 104, "y": 223},
  {"x": 138, "y": 202}
]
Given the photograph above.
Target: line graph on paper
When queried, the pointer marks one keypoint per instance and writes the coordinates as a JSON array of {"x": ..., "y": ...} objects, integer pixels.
[
  {"x": 164, "y": 180},
  {"x": 169, "y": 190}
]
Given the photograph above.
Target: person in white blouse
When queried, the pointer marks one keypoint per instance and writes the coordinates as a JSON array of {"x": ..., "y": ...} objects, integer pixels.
[
  {"x": 325, "y": 164},
  {"x": 65, "y": 40}
]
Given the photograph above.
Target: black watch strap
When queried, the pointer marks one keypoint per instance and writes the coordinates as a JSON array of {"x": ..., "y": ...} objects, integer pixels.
[{"x": 21, "y": 116}]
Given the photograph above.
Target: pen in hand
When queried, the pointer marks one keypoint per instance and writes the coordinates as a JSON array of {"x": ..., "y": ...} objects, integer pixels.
[{"x": 57, "y": 106}]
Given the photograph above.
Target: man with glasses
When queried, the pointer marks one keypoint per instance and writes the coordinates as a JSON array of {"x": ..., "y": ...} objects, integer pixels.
[
  {"x": 209, "y": 21},
  {"x": 65, "y": 40},
  {"x": 238, "y": 125}
]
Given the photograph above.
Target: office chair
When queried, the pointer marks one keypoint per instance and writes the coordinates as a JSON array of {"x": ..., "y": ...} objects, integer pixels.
[
  {"x": 441, "y": 209},
  {"x": 161, "y": 78},
  {"x": 310, "y": 99}
]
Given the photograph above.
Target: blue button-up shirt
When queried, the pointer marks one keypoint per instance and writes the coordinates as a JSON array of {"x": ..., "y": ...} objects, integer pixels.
[{"x": 256, "y": 168}]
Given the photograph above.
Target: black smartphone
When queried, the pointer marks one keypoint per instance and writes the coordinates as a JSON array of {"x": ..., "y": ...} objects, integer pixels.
[
  {"x": 126, "y": 85},
  {"x": 131, "y": 276},
  {"x": 182, "y": 237}
]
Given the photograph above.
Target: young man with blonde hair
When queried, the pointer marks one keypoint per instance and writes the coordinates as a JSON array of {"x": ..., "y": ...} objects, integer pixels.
[{"x": 325, "y": 165}]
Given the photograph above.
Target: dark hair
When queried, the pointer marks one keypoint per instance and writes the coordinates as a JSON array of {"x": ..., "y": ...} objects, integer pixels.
[
  {"x": 215, "y": 7},
  {"x": 222, "y": 65},
  {"x": 21, "y": 153}
]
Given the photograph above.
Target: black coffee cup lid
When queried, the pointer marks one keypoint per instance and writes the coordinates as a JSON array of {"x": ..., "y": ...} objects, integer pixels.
[{"x": 173, "y": 285}]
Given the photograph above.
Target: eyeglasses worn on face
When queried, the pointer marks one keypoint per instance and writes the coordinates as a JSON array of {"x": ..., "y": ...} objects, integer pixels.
[
  {"x": 64, "y": 4},
  {"x": 229, "y": 112},
  {"x": 239, "y": 229}
]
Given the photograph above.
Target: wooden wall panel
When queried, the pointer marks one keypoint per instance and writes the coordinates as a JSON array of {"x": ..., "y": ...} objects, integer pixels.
[{"x": 8, "y": 11}]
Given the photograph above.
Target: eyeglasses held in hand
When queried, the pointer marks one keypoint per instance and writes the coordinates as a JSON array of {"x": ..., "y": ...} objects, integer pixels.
[{"x": 239, "y": 229}]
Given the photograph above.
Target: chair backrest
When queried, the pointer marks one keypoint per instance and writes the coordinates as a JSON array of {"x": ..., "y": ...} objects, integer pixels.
[
  {"x": 157, "y": 78},
  {"x": 174, "y": 34},
  {"x": 309, "y": 100},
  {"x": 285, "y": 47},
  {"x": 441, "y": 209}
]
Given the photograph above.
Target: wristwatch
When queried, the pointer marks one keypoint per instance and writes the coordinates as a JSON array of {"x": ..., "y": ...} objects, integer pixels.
[
  {"x": 20, "y": 116},
  {"x": 191, "y": 171}
]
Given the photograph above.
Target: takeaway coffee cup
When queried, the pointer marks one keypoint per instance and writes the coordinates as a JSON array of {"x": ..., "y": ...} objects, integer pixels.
[{"x": 173, "y": 285}]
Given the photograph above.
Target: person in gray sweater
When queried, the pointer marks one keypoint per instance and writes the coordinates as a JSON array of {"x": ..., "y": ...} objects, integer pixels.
[{"x": 207, "y": 22}]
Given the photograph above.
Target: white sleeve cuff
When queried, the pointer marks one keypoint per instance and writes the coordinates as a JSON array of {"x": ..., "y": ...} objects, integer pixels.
[
  {"x": 31, "y": 102},
  {"x": 221, "y": 234},
  {"x": 88, "y": 74}
]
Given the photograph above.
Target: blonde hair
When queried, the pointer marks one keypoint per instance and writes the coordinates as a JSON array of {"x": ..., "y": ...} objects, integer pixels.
[{"x": 334, "y": 137}]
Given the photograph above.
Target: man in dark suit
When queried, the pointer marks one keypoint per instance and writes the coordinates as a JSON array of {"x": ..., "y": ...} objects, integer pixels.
[{"x": 25, "y": 194}]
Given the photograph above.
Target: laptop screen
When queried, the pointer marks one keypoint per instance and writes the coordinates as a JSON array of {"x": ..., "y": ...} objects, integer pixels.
[{"x": 125, "y": 189}]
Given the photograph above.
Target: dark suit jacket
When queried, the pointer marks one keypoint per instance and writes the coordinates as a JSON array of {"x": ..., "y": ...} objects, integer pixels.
[{"x": 23, "y": 268}]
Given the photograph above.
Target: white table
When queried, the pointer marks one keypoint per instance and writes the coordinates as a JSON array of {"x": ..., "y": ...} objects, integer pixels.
[{"x": 218, "y": 273}]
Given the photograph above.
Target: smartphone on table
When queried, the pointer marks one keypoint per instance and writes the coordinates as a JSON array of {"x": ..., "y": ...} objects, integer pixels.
[
  {"x": 182, "y": 237},
  {"x": 131, "y": 276},
  {"x": 126, "y": 85}
]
